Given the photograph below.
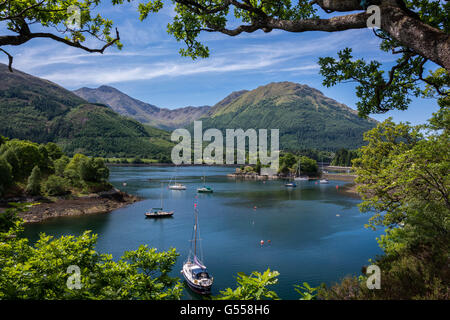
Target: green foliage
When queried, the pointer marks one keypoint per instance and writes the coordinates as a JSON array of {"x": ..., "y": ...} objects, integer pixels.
[
  {"x": 305, "y": 118},
  {"x": 60, "y": 165},
  {"x": 28, "y": 104},
  {"x": 10, "y": 221},
  {"x": 28, "y": 156},
  {"x": 344, "y": 157},
  {"x": 306, "y": 291},
  {"x": 307, "y": 166},
  {"x": 289, "y": 164},
  {"x": 403, "y": 177},
  {"x": 93, "y": 170},
  {"x": 56, "y": 186},
  {"x": 42, "y": 271},
  {"x": 252, "y": 287},
  {"x": 54, "y": 151},
  {"x": 34, "y": 182},
  {"x": 6, "y": 176},
  {"x": 10, "y": 156},
  {"x": 378, "y": 90},
  {"x": 54, "y": 15}
]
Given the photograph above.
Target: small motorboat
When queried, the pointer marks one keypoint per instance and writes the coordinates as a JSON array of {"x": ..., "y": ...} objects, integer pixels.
[
  {"x": 323, "y": 181},
  {"x": 301, "y": 179}
]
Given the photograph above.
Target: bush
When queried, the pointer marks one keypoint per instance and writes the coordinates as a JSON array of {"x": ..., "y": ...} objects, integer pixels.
[
  {"x": 93, "y": 170},
  {"x": 34, "y": 182},
  {"x": 56, "y": 186},
  {"x": 60, "y": 165},
  {"x": 6, "y": 177}
]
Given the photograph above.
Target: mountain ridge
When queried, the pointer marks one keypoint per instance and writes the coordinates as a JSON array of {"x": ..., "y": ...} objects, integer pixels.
[
  {"x": 122, "y": 103},
  {"x": 306, "y": 117},
  {"x": 39, "y": 110}
]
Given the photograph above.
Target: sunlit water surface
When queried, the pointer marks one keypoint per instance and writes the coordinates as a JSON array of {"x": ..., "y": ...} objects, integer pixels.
[{"x": 316, "y": 232}]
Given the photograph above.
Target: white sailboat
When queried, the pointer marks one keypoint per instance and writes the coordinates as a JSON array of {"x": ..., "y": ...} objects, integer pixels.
[
  {"x": 194, "y": 271},
  {"x": 299, "y": 177},
  {"x": 323, "y": 181},
  {"x": 175, "y": 185}
]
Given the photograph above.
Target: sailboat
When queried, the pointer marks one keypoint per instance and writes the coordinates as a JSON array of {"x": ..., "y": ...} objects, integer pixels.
[
  {"x": 323, "y": 181},
  {"x": 205, "y": 189},
  {"x": 194, "y": 271},
  {"x": 159, "y": 212},
  {"x": 300, "y": 178},
  {"x": 175, "y": 185},
  {"x": 291, "y": 184}
]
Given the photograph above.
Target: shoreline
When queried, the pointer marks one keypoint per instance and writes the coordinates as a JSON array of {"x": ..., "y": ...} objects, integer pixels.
[
  {"x": 156, "y": 164},
  {"x": 103, "y": 202}
]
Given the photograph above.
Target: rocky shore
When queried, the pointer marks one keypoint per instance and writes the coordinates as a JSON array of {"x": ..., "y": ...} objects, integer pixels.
[{"x": 102, "y": 202}]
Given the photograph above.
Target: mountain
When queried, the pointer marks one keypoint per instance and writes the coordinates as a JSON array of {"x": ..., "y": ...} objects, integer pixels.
[
  {"x": 307, "y": 119},
  {"x": 41, "y": 111},
  {"x": 141, "y": 111}
]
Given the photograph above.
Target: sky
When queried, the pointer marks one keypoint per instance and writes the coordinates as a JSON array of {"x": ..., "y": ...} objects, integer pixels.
[{"x": 149, "y": 67}]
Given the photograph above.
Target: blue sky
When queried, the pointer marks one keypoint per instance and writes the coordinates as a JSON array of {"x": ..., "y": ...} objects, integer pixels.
[{"x": 150, "y": 69}]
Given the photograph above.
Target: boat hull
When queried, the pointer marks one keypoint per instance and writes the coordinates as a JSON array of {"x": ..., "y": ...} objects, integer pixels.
[
  {"x": 158, "y": 216},
  {"x": 197, "y": 288},
  {"x": 204, "y": 191},
  {"x": 177, "y": 187}
]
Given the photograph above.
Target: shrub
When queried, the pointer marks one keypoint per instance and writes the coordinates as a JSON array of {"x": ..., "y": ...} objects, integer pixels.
[
  {"x": 60, "y": 165},
  {"x": 56, "y": 186},
  {"x": 34, "y": 182},
  {"x": 6, "y": 177}
]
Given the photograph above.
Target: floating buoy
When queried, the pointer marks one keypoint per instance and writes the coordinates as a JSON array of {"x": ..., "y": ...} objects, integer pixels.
[
  {"x": 268, "y": 241},
  {"x": 316, "y": 182},
  {"x": 124, "y": 184},
  {"x": 337, "y": 187},
  {"x": 338, "y": 215},
  {"x": 255, "y": 207},
  {"x": 262, "y": 242}
]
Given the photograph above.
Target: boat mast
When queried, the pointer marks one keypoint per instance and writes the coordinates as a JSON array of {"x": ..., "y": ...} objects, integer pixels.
[
  {"x": 162, "y": 195},
  {"x": 195, "y": 231}
]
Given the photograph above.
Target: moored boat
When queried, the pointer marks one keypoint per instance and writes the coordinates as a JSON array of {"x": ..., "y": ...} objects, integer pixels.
[
  {"x": 290, "y": 185},
  {"x": 194, "y": 271},
  {"x": 159, "y": 212},
  {"x": 177, "y": 186},
  {"x": 205, "y": 189}
]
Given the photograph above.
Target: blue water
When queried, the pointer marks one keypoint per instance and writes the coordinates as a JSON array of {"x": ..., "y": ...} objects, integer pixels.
[{"x": 308, "y": 241}]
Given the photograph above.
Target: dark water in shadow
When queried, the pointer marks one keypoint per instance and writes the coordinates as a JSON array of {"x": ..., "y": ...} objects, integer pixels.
[{"x": 309, "y": 242}]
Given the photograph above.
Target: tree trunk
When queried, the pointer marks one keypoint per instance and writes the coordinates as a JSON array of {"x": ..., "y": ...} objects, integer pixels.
[{"x": 423, "y": 39}]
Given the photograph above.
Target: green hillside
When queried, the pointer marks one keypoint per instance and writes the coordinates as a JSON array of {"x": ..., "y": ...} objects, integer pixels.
[
  {"x": 306, "y": 118},
  {"x": 39, "y": 110}
]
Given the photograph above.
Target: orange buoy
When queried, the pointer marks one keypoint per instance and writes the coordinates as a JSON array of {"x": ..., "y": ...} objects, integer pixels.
[
  {"x": 255, "y": 207},
  {"x": 268, "y": 241},
  {"x": 337, "y": 187},
  {"x": 262, "y": 242}
]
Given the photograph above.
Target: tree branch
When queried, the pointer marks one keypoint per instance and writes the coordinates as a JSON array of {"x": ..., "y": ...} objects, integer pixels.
[{"x": 10, "y": 58}]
